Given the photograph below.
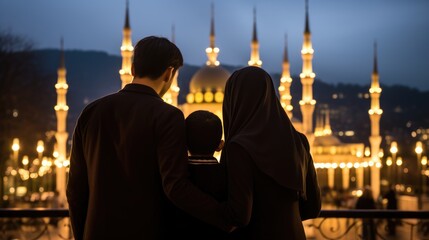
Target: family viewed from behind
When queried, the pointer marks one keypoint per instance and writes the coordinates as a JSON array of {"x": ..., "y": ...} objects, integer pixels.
[{"x": 131, "y": 176}]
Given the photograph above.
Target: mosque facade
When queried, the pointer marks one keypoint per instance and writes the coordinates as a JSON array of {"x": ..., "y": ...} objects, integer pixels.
[{"x": 339, "y": 165}]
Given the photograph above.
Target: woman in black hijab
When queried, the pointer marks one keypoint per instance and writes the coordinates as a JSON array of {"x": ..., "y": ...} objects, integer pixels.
[{"x": 270, "y": 169}]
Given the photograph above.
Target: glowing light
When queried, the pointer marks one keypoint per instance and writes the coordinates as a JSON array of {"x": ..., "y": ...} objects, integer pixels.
[
  {"x": 359, "y": 154},
  {"x": 399, "y": 161},
  {"x": 356, "y": 165},
  {"x": 365, "y": 164},
  {"x": 40, "y": 146},
  {"x": 15, "y": 144},
  {"x": 61, "y": 85},
  {"x": 349, "y": 133},
  {"x": 389, "y": 161},
  {"x": 208, "y": 97},
  {"x": 307, "y": 51},
  {"x": 375, "y": 111},
  {"x": 334, "y": 165},
  {"x": 359, "y": 193},
  {"x": 381, "y": 153},
  {"x": 62, "y": 107},
  {"x": 367, "y": 152},
  {"x": 394, "y": 147},
  {"x": 219, "y": 96},
  {"x": 199, "y": 97},
  {"x": 375, "y": 90},
  {"x": 424, "y": 160},
  {"x": 127, "y": 48},
  {"x": 419, "y": 148},
  {"x": 378, "y": 165},
  {"x": 25, "y": 160},
  {"x": 342, "y": 165},
  {"x": 349, "y": 165},
  {"x": 190, "y": 98}
]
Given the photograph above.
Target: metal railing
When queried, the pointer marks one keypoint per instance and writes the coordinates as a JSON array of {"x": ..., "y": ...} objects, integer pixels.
[{"x": 47, "y": 223}]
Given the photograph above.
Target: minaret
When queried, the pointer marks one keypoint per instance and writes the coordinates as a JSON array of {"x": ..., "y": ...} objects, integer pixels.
[
  {"x": 327, "y": 131},
  {"x": 254, "y": 54},
  {"x": 285, "y": 83},
  {"x": 126, "y": 51},
  {"x": 212, "y": 51},
  {"x": 375, "y": 138},
  {"x": 172, "y": 94},
  {"x": 61, "y": 135},
  {"x": 307, "y": 78},
  {"x": 318, "y": 130}
]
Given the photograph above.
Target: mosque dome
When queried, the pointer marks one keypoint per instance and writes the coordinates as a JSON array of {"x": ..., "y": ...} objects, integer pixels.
[
  {"x": 207, "y": 85},
  {"x": 209, "y": 79},
  {"x": 328, "y": 140}
]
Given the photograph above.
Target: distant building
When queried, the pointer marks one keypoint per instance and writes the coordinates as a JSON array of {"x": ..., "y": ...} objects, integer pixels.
[{"x": 340, "y": 165}]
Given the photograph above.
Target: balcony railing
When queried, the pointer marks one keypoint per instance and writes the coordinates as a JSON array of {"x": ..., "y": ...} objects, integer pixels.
[{"x": 43, "y": 223}]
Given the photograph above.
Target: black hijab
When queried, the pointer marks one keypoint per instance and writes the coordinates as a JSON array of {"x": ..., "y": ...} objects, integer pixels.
[{"x": 254, "y": 119}]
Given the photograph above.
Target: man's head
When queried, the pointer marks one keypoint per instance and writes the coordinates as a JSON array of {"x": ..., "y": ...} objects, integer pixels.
[
  {"x": 203, "y": 133},
  {"x": 156, "y": 57}
]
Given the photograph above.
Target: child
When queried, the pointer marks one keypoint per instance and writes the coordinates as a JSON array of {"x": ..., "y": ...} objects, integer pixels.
[{"x": 203, "y": 135}]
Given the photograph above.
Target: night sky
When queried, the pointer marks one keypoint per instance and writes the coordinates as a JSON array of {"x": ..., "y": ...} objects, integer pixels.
[{"x": 343, "y": 32}]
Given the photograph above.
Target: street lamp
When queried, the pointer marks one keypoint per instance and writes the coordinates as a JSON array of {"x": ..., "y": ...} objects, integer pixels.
[
  {"x": 40, "y": 149},
  {"x": 389, "y": 163},
  {"x": 25, "y": 162},
  {"x": 424, "y": 162},
  {"x": 399, "y": 164},
  {"x": 15, "y": 149},
  {"x": 394, "y": 151},
  {"x": 419, "y": 185}
]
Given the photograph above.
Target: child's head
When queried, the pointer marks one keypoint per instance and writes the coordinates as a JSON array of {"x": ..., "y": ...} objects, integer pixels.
[{"x": 203, "y": 133}]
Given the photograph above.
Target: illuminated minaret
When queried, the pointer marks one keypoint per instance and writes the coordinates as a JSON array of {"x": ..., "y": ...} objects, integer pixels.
[
  {"x": 254, "y": 54},
  {"x": 285, "y": 83},
  {"x": 126, "y": 51},
  {"x": 327, "y": 131},
  {"x": 171, "y": 95},
  {"x": 212, "y": 51},
  {"x": 61, "y": 135},
  {"x": 375, "y": 138},
  {"x": 307, "y": 78},
  {"x": 318, "y": 130}
]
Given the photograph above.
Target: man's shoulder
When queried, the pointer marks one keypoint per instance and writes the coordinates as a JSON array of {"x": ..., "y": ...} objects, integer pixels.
[{"x": 168, "y": 110}]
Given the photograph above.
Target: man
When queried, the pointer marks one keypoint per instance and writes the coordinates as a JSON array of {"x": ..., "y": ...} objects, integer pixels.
[{"x": 129, "y": 157}]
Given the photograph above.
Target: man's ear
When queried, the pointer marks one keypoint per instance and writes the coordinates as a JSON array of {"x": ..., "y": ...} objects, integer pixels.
[
  {"x": 132, "y": 70},
  {"x": 221, "y": 145},
  {"x": 168, "y": 74}
]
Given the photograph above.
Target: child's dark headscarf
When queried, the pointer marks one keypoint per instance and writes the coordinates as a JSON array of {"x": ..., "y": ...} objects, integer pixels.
[{"x": 254, "y": 119}]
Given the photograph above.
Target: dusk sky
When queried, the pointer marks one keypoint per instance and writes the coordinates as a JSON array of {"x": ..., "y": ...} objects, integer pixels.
[{"x": 343, "y": 32}]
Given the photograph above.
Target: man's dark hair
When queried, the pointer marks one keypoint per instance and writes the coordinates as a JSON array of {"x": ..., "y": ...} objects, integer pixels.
[
  {"x": 153, "y": 55},
  {"x": 203, "y": 132}
]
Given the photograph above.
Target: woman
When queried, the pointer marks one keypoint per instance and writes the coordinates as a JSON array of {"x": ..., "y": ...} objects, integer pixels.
[{"x": 268, "y": 162}]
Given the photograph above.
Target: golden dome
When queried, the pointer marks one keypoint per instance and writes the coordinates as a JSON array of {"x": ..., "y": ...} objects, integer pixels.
[
  {"x": 209, "y": 79},
  {"x": 328, "y": 140}
]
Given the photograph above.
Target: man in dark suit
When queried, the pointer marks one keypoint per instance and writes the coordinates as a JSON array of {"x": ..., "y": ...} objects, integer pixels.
[{"x": 129, "y": 157}]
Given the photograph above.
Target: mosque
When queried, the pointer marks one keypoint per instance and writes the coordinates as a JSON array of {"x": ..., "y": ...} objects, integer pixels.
[{"x": 340, "y": 165}]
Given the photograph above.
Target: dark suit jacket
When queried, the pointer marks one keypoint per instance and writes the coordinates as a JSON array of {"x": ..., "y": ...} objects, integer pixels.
[
  {"x": 209, "y": 176},
  {"x": 128, "y": 160}
]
